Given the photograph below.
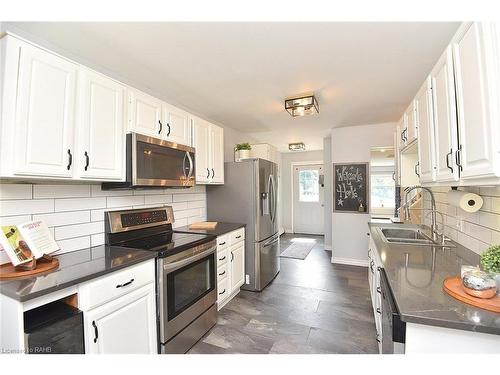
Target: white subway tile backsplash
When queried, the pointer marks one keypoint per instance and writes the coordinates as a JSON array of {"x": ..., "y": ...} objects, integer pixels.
[
  {"x": 479, "y": 229},
  {"x": 75, "y": 212},
  {"x": 75, "y": 204},
  {"x": 64, "y": 218},
  {"x": 79, "y": 230},
  {"x": 22, "y": 207},
  {"x": 16, "y": 191},
  {"x": 73, "y": 244},
  {"x": 97, "y": 239},
  {"x": 196, "y": 204},
  {"x": 131, "y": 200},
  {"x": 96, "y": 191},
  {"x": 158, "y": 199},
  {"x": 189, "y": 197},
  {"x": 14, "y": 220},
  {"x": 61, "y": 191}
]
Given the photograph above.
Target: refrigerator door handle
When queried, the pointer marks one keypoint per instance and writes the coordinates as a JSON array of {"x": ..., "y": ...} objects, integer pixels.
[
  {"x": 272, "y": 242},
  {"x": 272, "y": 200}
]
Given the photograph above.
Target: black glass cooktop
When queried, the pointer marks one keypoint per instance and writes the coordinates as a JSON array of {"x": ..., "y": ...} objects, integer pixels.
[{"x": 168, "y": 242}]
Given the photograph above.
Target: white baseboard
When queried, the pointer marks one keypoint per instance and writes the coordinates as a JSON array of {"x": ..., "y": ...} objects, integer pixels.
[
  {"x": 350, "y": 261},
  {"x": 288, "y": 230},
  {"x": 328, "y": 247}
]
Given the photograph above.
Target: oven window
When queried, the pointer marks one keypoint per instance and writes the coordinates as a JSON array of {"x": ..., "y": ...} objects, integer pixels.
[
  {"x": 189, "y": 284},
  {"x": 156, "y": 162}
]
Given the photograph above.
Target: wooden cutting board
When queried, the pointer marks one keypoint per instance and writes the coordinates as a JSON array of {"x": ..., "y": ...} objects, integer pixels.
[
  {"x": 208, "y": 225},
  {"x": 8, "y": 271},
  {"x": 453, "y": 286}
]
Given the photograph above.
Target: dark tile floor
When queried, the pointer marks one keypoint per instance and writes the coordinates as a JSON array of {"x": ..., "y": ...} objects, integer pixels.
[{"x": 312, "y": 306}]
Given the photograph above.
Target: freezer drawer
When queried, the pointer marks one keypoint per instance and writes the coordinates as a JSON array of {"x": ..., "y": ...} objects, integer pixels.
[{"x": 268, "y": 261}]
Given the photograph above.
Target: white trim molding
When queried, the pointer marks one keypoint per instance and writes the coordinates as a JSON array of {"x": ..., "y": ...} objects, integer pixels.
[
  {"x": 328, "y": 247},
  {"x": 350, "y": 261}
]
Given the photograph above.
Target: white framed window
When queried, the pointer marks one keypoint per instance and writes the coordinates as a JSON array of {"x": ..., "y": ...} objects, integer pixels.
[
  {"x": 382, "y": 192},
  {"x": 309, "y": 185}
]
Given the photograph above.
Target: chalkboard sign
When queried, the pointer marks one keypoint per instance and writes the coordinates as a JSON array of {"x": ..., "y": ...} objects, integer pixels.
[{"x": 350, "y": 187}]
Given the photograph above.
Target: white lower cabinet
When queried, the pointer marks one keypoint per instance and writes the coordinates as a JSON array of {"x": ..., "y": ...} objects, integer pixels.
[
  {"x": 126, "y": 325},
  {"x": 374, "y": 269},
  {"x": 119, "y": 311},
  {"x": 230, "y": 265}
]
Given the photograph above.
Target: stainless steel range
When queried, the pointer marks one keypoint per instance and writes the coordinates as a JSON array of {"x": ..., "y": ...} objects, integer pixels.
[{"x": 185, "y": 272}]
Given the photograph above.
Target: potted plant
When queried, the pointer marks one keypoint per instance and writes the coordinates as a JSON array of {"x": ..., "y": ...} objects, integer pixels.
[
  {"x": 490, "y": 262},
  {"x": 243, "y": 150}
]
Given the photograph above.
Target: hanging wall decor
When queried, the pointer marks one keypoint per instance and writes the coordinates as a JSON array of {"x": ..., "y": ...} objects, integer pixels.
[{"x": 350, "y": 187}]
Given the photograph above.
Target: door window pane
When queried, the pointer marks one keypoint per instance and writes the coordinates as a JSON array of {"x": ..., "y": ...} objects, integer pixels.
[
  {"x": 309, "y": 185},
  {"x": 382, "y": 191}
]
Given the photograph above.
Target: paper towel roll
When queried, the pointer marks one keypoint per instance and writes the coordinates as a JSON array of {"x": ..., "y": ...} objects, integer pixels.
[{"x": 469, "y": 202}]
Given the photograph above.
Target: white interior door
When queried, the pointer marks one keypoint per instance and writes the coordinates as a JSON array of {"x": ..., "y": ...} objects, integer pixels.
[{"x": 307, "y": 198}]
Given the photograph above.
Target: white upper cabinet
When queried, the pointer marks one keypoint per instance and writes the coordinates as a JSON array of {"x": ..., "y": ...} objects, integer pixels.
[
  {"x": 208, "y": 141},
  {"x": 424, "y": 118},
  {"x": 445, "y": 119},
  {"x": 411, "y": 124},
  {"x": 477, "y": 59},
  {"x": 201, "y": 144},
  {"x": 44, "y": 115},
  {"x": 145, "y": 114},
  {"x": 177, "y": 127},
  {"x": 100, "y": 110},
  {"x": 217, "y": 150}
]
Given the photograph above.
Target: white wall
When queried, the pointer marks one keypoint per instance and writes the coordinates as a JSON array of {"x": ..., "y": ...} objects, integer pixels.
[
  {"x": 327, "y": 160},
  {"x": 231, "y": 138},
  {"x": 353, "y": 144},
  {"x": 287, "y": 158},
  {"x": 75, "y": 212}
]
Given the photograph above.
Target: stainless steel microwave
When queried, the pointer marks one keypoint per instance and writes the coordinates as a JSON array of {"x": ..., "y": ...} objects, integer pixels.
[{"x": 153, "y": 162}]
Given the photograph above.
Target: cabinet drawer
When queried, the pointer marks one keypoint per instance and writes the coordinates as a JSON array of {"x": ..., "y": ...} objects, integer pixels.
[
  {"x": 237, "y": 236},
  {"x": 222, "y": 290},
  {"x": 222, "y": 242},
  {"x": 109, "y": 287},
  {"x": 222, "y": 257},
  {"x": 222, "y": 272}
]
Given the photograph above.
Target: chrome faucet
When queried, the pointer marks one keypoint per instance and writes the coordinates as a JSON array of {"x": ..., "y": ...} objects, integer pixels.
[{"x": 434, "y": 228}]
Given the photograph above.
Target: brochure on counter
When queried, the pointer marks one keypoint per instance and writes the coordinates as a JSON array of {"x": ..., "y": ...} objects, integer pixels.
[{"x": 26, "y": 241}]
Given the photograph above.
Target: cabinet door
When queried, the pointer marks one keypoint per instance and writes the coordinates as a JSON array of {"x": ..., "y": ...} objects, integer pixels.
[
  {"x": 145, "y": 114},
  {"x": 217, "y": 154},
  {"x": 476, "y": 103},
  {"x": 201, "y": 143},
  {"x": 45, "y": 115},
  {"x": 101, "y": 127},
  {"x": 126, "y": 325},
  {"x": 423, "y": 107},
  {"x": 445, "y": 119},
  {"x": 411, "y": 124},
  {"x": 177, "y": 126},
  {"x": 237, "y": 266}
]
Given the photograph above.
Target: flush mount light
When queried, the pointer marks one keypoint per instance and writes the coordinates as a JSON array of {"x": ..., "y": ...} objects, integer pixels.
[
  {"x": 300, "y": 146},
  {"x": 301, "y": 105}
]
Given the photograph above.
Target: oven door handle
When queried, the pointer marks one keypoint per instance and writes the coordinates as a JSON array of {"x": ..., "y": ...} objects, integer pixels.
[{"x": 169, "y": 267}]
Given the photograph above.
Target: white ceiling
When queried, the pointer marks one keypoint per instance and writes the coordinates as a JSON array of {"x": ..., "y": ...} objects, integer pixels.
[{"x": 238, "y": 74}]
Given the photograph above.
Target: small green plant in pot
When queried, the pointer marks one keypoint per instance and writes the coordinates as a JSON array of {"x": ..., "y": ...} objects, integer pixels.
[
  {"x": 243, "y": 150},
  {"x": 490, "y": 262}
]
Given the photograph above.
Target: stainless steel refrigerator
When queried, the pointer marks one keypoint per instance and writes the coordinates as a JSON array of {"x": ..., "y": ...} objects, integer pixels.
[{"x": 249, "y": 196}]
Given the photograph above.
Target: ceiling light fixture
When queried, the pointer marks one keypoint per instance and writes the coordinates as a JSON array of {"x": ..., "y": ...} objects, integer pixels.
[
  {"x": 301, "y": 105},
  {"x": 299, "y": 146}
]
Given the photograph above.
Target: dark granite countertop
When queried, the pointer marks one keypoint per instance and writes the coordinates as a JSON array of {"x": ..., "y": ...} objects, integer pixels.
[
  {"x": 416, "y": 281},
  {"x": 75, "y": 267},
  {"x": 220, "y": 229}
]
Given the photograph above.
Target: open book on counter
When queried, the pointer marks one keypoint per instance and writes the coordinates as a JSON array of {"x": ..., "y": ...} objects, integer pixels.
[{"x": 26, "y": 241}]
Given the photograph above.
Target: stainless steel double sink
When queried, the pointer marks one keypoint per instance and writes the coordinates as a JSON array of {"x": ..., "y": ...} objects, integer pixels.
[{"x": 409, "y": 236}]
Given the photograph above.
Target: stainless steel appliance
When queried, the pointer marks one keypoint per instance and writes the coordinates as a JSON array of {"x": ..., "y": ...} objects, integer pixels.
[
  {"x": 154, "y": 162},
  {"x": 393, "y": 328},
  {"x": 185, "y": 272},
  {"x": 249, "y": 195}
]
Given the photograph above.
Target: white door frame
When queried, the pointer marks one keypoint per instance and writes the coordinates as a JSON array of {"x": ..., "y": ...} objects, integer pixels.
[{"x": 294, "y": 164}]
